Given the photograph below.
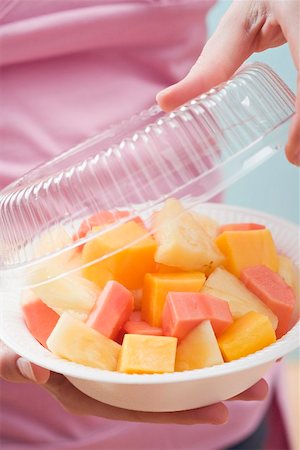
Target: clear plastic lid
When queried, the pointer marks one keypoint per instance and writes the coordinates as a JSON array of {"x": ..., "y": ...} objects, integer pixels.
[{"x": 193, "y": 153}]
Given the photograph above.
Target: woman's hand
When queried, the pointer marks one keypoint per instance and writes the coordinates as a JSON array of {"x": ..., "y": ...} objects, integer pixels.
[
  {"x": 248, "y": 26},
  {"x": 16, "y": 369}
]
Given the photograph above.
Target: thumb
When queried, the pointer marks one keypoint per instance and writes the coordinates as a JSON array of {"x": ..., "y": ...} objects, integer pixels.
[{"x": 230, "y": 45}]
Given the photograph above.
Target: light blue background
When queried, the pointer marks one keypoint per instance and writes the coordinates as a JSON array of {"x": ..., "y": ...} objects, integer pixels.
[{"x": 275, "y": 186}]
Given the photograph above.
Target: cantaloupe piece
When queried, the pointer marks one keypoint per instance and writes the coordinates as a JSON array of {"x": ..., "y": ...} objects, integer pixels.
[
  {"x": 156, "y": 288},
  {"x": 185, "y": 310},
  {"x": 182, "y": 241},
  {"x": 198, "y": 349},
  {"x": 74, "y": 340},
  {"x": 128, "y": 265},
  {"x": 223, "y": 284},
  {"x": 39, "y": 318},
  {"x": 147, "y": 354},
  {"x": 240, "y": 227},
  {"x": 248, "y": 334},
  {"x": 273, "y": 291},
  {"x": 247, "y": 248},
  {"x": 111, "y": 310}
]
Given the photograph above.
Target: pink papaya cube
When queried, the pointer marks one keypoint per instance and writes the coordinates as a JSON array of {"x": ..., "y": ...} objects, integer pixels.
[
  {"x": 185, "y": 310},
  {"x": 273, "y": 291},
  {"x": 111, "y": 310},
  {"x": 142, "y": 327}
]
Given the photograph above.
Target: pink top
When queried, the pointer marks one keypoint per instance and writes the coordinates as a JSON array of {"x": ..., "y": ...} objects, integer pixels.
[{"x": 68, "y": 69}]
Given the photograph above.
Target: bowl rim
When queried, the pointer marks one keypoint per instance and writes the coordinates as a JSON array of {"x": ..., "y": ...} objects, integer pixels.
[{"x": 46, "y": 359}]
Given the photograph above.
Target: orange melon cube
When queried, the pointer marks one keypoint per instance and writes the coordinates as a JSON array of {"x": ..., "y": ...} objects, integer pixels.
[
  {"x": 157, "y": 286},
  {"x": 162, "y": 268},
  {"x": 147, "y": 354},
  {"x": 248, "y": 334},
  {"x": 273, "y": 291},
  {"x": 111, "y": 310},
  {"x": 198, "y": 349},
  {"x": 247, "y": 248},
  {"x": 128, "y": 265}
]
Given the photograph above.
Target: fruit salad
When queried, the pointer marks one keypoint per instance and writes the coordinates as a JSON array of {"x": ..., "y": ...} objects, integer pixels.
[{"x": 182, "y": 294}]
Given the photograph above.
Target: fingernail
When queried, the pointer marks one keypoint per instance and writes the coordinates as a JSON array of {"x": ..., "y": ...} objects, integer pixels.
[{"x": 25, "y": 369}]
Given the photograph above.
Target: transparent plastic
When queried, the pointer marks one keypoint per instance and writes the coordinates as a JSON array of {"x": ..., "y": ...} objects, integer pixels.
[{"x": 192, "y": 153}]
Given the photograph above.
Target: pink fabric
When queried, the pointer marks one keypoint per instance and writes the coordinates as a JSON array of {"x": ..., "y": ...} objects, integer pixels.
[{"x": 68, "y": 69}]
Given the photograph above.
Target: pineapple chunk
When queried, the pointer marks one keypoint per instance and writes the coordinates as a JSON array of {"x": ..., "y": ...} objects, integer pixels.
[
  {"x": 74, "y": 340},
  {"x": 291, "y": 275},
  {"x": 183, "y": 241},
  {"x": 198, "y": 349},
  {"x": 223, "y": 284},
  {"x": 72, "y": 293}
]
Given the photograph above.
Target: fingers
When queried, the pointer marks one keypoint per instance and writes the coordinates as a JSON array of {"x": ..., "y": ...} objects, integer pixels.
[
  {"x": 18, "y": 370},
  {"x": 258, "y": 391},
  {"x": 78, "y": 403},
  {"x": 292, "y": 149},
  {"x": 230, "y": 45},
  {"x": 288, "y": 14}
]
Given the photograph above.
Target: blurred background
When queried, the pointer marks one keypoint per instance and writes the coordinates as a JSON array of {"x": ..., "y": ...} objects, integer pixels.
[{"x": 277, "y": 179}]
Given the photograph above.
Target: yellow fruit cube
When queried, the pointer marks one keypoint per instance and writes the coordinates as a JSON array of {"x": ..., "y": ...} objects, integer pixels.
[
  {"x": 74, "y": 340},
  {"x": 157, "y": 286},
  {"x": 198, "y": 349},
  {"x": 247, "y": 248},
  {"x": 147, "y": 354},
  {"x": 127, "y": 266},
  {"x": 248, "y": 334},
  {"x": 182, "y": 241}
]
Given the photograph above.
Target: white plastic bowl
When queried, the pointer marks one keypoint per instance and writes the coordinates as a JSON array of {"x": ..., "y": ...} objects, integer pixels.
[{"x": 165, "y": 392}]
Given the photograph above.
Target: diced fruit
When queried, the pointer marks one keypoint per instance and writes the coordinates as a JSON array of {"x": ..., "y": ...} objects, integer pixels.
[
  {"x": 185, "y": 310},
  {"x": 128, "y": 265},
  {"x": 111, "y": 310},
  {"x": 247, "y": 248},
  {"x": 291, "y": 275},
  {"x": 147, "y": 354},
  {"x": 69, "y": 293},
  {"x": 102, "y": 218},
  {"x": 183, "y": 242},
  {"x": 286, "y": 270},
  {"x": 135, "y": 316},
  {"x": 209, "y": 225},
  {"x": 224, "y": 285},
  {"x": 157, "y": 286},
  {"x": 273, "y": 291},
  {"x": 198, "y": 349},
  {"x": 39, "y": 318},
  {"x": 162, "y": 268},
  {"x": 248, "y": 334},
  {"x": 142, "y": 327},
  {"x": 74, "y": 340},
  {"x": 52, "y": 240},
  {"x": 240, "y": 227},
  {"x": 137, "y": 295}
]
